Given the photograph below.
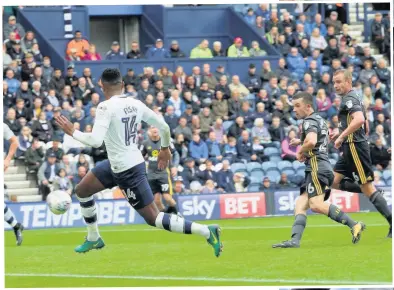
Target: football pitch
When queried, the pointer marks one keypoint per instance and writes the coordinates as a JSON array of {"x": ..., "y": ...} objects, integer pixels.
[{"x": 142, "y": 256}]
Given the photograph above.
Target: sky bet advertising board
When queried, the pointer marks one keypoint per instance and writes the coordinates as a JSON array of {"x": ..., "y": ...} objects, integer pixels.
[{"x": 192, "y": 207}]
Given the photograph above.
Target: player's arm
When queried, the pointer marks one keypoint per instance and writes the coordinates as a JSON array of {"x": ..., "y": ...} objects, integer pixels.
[
  {"x": 309, "y": 142},
  {"x": 310, "y": 127},
  {"x": 94, "y": 139},
  {"x": 356, "y": 123},
  {"x": 14, "y": 143}
]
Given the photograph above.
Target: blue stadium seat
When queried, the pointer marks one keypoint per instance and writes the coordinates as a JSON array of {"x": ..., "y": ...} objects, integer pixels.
[
  {"x": 273, "y": 176},
  {"x": 297, "y": 165},
  {"x": 387, "y": 174},
  {"x": 388, "y": 182},
  {"x": 282, "y": 165},
  {"x": 289, "y": 171},
  {"x": 238, "y": 167},
  {"x": 275, "y": 159},
  {"x": 255, "y": 180},
  {"x": 254, "y": 166},
  {"x": 271, "y": 151},
  {"x": 257, "y": 174},
  {"x": 268, "y": 165},
  {"x": 379, "y": 173},
  {"x": 301, "y": 172},
  {"x": 253, "y": 188}
]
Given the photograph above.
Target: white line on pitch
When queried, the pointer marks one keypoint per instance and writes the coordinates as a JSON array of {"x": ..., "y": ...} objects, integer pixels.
[
  {"x": 234, "y": 228},
  {"x": 211, "y": 279}
]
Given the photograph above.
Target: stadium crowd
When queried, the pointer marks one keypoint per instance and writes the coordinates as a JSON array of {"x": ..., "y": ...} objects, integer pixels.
[{"x": 228, "y": 136}]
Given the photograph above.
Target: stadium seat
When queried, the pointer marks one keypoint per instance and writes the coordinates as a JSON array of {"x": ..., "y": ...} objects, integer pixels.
[
  {"x": 289, "y": 171},
  {"x": 297, "y": 165},
  {"x": 271, "y": 151},
  {"x": 238, "y": 167},
  {"x": 253, "y": 188},
  {"x": 379, "y": 173},
  {"x": 387, "y": 174},
  {"x": 282, "y": 165},
  {"x": 333, "y": 161},
  {"x": 273, "y": 176},
  {"x": 301, "y": 172},
  {"x": 388, "y": 182},
  {"x": 254, "y": 166},
  {"x": 268, "y": 165},
  {"x": 257, "y": 174},
  {"x": 255, "y": 180},
  {"x": 275, "y": 159}
]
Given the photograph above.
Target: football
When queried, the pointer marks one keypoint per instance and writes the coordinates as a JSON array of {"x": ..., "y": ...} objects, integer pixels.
[{"x": 59, "y": 201}]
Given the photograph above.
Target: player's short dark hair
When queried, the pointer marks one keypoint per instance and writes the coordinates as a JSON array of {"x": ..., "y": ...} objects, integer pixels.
[
  {"x": 306, "y": 98},
  {"x": 111, "y": 76}
]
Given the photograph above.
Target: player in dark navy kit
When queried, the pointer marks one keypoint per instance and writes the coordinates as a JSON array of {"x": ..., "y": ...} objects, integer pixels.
[
  {"x": 159, "y": 180},
  {"x": 318, "y": 174},
  {"x": 351, "y": 138}
]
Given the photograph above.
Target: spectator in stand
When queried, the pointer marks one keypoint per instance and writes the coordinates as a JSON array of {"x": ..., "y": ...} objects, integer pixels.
[
  {"x": 183, "y": 129},
  {"x": 6, "y": 58},
  {"x": 82, "y": 162},
  {"x": 284, "y": 182},
  {"x": 259, "y": 26},
  {"x": 57, "y": 82},
  {"x": 47, "y": 174},
  {"x": 78, "y": 44},
  {"x": 368, "y": 56},
  {"x": 37, "y": 55},
  {"x": 324, "y": 106},
  {"x": 157, "y": 51},
  {"x": 331, "y": 52},
  {"x": 245, "y": 148},
  {"x": 230, "y": 150},
  {"x": 27, "y": 67},
  {"x": 198, "y": 149},
  {"x": 223, "y": 87},
  {"x": 179, "y": 78},
  {"x": 83, "y": 92},
  {"x": 272, "y": 36},
  {"x": 247, "y": 114},
  {"x": 62, "y": 182},
  {"x": 260, "y": 131},
  {"x": 181, "y": 147},
  {"x": 296, "y": 64},
  {"x": 319, "y": 24},
  {"x": 115, "y": 53},
  {"x": 209, "y": 188},
  {"x": 386, "y": 43},
  {"x": 42, "y": 128},
  {"x": 274, "y": 21},
  {"x": 134, "y": 52},
  {"x": 282, "y": 71},
  {"x": 277, "y": 132},
  {"x": 190, "y": 172},
  {"x": 380, "y": 134},
  {"x": 27, "y": 41},
  {"x": 241, "y": 182},
  {"x": 305, "y": 51},
  {"x": 130, "y": 78},
  {"x": 383, "y": 72},
  {"x": 214, "y": 149},
  {"x": 255, "y": 50},
  {"x": 34, "y": 155},
  {"x": 82, "y": 171},
  {"x": 220, "y": 133},
  {"x": 250, "y": 16},
  {"x": 21, "y": 110},
  {"x": 220, "y": 71},
  {"x": 237, "y": 85},
  {"x": 379, "y": 155},
  {"x": 209, "y": 78},
  {"x": 317, "y": 40},
  {"x": 12, "y": 82},
  {"x": 16, "y": 52},
  {"x": 333, "y": 21},
  {"x": 71, "y": 79},
  {"x": 12, "y": 122},
  {"x": 367, "y": 73},
  {"x": 92, "y": 54},
  {"x": 52, "y": 99},
  {"x": 220, "y": 106},
  {"x": 25, "y": 140},
  {"x": 238, "y": 49},
  {"x": 175, "y": 51},
  {"x": 378, "y": 31},
  {"x": 263, "y": 11},
  {"x": 55, "y": 149},
  {"x": 13, "y": 26},
  {"x": 253, "y": 81},
  {"x": 208, "y": 173},
  {"x": 263, "y": 113},
  {"x": 47, "y": 69},
  {"x": 225, "y": 178},
  {"x": 298, "y": 35},
  {"x": 217, "y": 50},
  {"x": 330, "y": 33}
]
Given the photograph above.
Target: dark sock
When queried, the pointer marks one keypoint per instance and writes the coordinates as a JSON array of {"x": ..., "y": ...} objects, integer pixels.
[
  {"x": 339, "y": 216},
  {"x": 172, "y": 209},
  {"x": 381, "y": 205},
  {"x": 298, "y": 227},
  {"x": 350, "y": 186}
]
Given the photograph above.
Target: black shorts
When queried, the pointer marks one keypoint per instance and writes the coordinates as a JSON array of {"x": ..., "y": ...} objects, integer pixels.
[
  {"x": 355, "y": 162},
  {"x": 134, "y": 185},
  {"x": 317, "y": 183},
  {"x": 161, "y": 183},
  {"x": 103, "y": 173}
]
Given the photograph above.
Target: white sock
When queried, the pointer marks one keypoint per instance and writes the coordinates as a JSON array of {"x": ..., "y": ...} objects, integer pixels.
[
  {"x": 89, "y": 213},
  {"x": 9, "y": 216},
  {"x": 177, "y": 224}
]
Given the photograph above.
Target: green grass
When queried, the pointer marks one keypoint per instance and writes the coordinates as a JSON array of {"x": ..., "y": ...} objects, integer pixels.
[{"x": 134, "y": 255}]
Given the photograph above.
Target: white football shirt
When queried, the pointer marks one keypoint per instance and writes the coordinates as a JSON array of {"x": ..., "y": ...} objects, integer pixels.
[
  {"x": 117, "y": 122},
  {"x": 8, "y": 134}
]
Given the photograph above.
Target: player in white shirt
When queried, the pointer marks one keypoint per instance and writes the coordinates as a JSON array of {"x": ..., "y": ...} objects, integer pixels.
[
  {"x": 116, "y": 123},
  {"x": 9, "y": 216}
]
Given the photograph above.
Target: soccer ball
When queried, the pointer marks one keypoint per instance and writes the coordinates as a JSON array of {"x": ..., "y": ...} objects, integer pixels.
[{"x": 59, "y": 202}]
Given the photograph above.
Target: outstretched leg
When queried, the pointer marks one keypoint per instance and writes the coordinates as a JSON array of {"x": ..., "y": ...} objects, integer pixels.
[{"x": 10, "y": 218}]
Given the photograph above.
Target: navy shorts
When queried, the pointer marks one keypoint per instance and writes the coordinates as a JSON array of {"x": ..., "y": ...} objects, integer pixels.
[
  {"x": 134, "y": 185},
  {"x": 103, "y": 173}
]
